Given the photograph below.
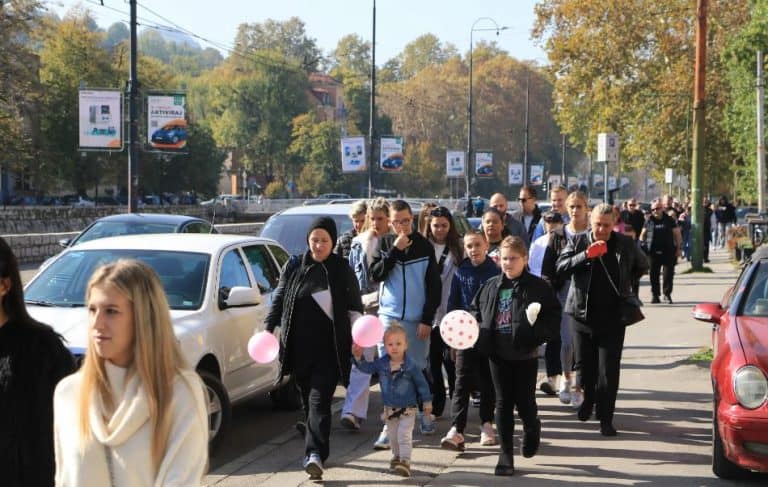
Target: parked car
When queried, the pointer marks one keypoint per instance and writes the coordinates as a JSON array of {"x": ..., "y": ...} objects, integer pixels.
[
  {"x": 739, "y": 371},
  {"x": 219, "y": 289},
  {"x": 139, "y": 223},
  {"x": 327, "y": 198},
  {"x": 289, "y": 227}
]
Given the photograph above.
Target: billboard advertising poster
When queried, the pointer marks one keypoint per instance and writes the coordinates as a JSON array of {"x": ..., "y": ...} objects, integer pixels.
[
  {"x": 554, "y": 181},
  {"x": 353, "y": 154},
  {"x": 100, "y": 119},
  {"x": 391, "y": 159},
  {"x": 574, "y": 183},
  {"x": 484, "y": 164},
  {"x": 597, "y": 180},
  {"x": 454, "y": 164},
  {"x": 515, "y": 173},
  {"x": 167, "y": 123},
  {"x": 537, "y": 175}
]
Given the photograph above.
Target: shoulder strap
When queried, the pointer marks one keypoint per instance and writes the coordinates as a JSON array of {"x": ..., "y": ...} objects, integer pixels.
[{"x": 608, "y": 275}]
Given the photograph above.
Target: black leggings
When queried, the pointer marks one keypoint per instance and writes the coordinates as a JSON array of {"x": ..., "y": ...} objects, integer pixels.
[
  {"x": 439, "y": 357},
  {"x": 515, "y": 384}
]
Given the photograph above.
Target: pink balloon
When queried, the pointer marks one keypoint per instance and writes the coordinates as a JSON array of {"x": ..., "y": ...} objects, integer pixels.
[
  {"x": 367, "y": 331},
  {"x": 263, "y": 347},
  {"x": 459, "y": 329}
]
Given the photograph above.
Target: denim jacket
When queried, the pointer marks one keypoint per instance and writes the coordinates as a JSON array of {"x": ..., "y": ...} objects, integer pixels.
[{"x": 401, "y": 389}]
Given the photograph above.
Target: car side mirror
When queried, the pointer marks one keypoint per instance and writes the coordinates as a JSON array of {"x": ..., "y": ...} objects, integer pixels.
[
  {"x": 242, "y": 296},
  {"x": 708, "y": 312},
  {"x": 64, "y": 242}
]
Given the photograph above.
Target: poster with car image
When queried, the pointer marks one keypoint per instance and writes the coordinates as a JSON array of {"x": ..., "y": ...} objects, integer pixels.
[
  {"x": 353, "y": 154},
  {"x": 454, "y": 163},
  {"x": 100, "y": 117},
  {"x": 537, "y": 175},
  {"x": 515, "y": 173},
  {"x": 484, "y": 164},
  {"x": 167, "y": 122},
  {"x": 391, "y": 159}
]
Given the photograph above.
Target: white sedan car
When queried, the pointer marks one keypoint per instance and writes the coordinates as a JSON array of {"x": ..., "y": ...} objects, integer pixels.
[{"x": 219, "y": 288}]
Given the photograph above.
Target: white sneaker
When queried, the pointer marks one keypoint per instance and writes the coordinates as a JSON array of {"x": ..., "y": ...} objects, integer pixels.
[
  {"x": 453, "y": 440},
  {"x": 577, "y": 397},
  {"x": 565, "y": 391},
  {"x": 487, "y": 435},
  {"x": 382, "y": 442}
]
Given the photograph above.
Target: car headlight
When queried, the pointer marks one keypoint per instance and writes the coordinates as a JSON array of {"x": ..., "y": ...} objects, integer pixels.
[{"x": 750, "y": 386}]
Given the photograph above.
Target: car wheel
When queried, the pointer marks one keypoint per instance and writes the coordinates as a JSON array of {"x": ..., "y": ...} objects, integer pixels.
[
  {"x": 219, "y": 408},
  {"x": 286, "y": 397},
  {"x": 721, "y": 466}
]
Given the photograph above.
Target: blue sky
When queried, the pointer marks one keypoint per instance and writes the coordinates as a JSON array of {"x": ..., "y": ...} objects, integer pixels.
[{"x": 398, "y": 22}]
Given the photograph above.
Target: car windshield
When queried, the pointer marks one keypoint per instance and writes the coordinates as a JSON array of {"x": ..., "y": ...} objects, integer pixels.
[
  {"x": 63, "y": 283},
  {"x": 291, "y": 230},
  {"x": 756, "y": 302},
  {"x": 112, "y": 229}
]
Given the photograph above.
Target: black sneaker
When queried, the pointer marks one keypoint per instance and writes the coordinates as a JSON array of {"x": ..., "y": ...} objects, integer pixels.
[
  {"x": 668, "y": 299},
  {"x": 505, "y": 466},
  {"x": 531, "y": 440},
  {"x": 301, "y": 427},
  {"x": 547, "y": 388},
  {"x": 607, "y": 429},
  {"x": 655, "y": 300}
]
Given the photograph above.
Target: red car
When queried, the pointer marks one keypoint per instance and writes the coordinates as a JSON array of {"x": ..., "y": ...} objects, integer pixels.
[{"x": 740, "y": 372}]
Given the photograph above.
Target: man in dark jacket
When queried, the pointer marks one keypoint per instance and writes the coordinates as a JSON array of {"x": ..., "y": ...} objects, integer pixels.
[
  {"x": 513, "y": 226},
  {"x": 601, "y": 265},
  {"x": 662, "y": 240},
  {"x": 529, "y": 213}
]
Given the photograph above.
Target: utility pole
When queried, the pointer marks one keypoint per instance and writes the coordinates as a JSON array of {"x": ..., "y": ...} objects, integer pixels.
[
  {"x": 372, "y": 117},
  {"x": 525, "y": 144},
  {"x": 697, "y": 209},
  {"x": 562, "y": 168},
  {"x": 133, "y": 120},
  {"x": 760, "y": 136}
]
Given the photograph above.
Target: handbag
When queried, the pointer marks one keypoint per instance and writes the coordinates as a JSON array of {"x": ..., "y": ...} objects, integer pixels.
[{"x": 629, "y": 308}]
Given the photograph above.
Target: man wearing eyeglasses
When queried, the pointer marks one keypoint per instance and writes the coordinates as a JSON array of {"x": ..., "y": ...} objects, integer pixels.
[
  {"x": 633, "y": 216},
  {"x": 529, "y": 213},
  {"x": 662, "y": 239}
]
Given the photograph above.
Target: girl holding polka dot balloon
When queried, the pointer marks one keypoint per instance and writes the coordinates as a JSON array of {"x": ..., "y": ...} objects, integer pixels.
[{"x": 516, "y": 312}]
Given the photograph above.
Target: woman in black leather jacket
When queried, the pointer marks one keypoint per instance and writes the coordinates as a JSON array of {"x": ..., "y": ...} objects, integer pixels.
[{"x": 601, "y": 265}]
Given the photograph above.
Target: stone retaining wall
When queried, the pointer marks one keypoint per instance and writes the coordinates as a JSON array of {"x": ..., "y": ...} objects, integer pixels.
[{"x": 34, "y": 248}]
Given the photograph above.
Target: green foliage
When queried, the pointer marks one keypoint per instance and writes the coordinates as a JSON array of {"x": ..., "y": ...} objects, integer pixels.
[
  {"x": 316, "y": 146},
  {"x": 703, "y": 355},
  {"x": 288, "y": 39}
]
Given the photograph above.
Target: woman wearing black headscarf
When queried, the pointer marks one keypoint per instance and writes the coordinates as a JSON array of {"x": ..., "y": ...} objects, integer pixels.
[
  {"x": 32, "y": 361},
  {"x": 312, "y": 305}
]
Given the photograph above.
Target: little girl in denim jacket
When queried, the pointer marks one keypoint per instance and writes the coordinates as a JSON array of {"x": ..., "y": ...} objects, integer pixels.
[{"x": 402, "y": 385}]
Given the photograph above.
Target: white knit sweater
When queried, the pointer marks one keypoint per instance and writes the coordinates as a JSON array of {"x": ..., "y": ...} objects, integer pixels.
[{"x": 126, "y": 436}]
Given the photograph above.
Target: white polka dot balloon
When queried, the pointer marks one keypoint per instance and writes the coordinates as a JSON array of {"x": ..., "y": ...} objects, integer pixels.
[{"x": 459, "y": 329}]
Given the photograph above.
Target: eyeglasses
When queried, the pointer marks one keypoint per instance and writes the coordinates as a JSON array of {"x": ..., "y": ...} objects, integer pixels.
[
  {"x": 440, "y": 211},
  {"x": 523, "y": 200},
  {"x": 404, "y": 222}
]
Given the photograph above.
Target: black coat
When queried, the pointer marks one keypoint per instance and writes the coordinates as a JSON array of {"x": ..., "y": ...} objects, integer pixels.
[
  {"x": 573, "y": 264},
  {"x": 32, "y": 361},
  {"x": 525, "y": 338},
  {"x": 345, "y": 295}
]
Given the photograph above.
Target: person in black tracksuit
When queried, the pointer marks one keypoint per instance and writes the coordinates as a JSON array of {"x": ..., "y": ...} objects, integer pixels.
[
  {"x": 659, "y": 239},
  {"x": 601, "y": 264},
  {"x": 311, "y": 304},
  {"x": 510, "y": 338}
]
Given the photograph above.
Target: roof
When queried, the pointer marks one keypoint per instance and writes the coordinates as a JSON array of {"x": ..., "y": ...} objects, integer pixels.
[
  {"x": 321, "y": 209},
  {"x": 150, "y": 218},
  {"x": 186, "y": 242}
]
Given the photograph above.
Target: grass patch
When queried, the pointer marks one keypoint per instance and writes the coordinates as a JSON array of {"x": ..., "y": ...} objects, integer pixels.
[
  {"x": 704, "y": 270},
  {"x": 703, "y": 355}
]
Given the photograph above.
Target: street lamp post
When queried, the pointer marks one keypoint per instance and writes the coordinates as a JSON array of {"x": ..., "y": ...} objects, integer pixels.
[{"x": 469, "y": 101}]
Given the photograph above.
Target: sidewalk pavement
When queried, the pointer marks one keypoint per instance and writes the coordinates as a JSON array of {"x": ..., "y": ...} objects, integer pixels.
[{"x": 663, "y": 416}]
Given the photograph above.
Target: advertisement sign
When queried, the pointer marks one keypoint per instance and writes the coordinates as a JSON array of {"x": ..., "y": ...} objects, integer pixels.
[
  {"x": 100, "y": 119},
  {"x": 554, "y": 181},
  {"x": 597, "y": 180},
  {"x": 391, "y": 159},
  {"x": 669, "y": 175},
  {"x": 166, "y": 121},
  {"x": 454, "y": 164},
  {"x": 353, "y": 154},
  {"x": 515, "y": 173},
  {"x": 484, "y": 164},
  {"x": 611, "y": 183},
  {"x": 537, "y": 175},
  {"x": 607, "y": 147},
  {"x": 574, "y": 183}
]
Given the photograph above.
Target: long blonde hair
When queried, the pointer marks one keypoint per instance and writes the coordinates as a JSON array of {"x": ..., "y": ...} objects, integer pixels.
[{"x": 157, "y": 357}]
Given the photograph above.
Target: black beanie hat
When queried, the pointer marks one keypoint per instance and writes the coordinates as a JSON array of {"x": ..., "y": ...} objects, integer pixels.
[{"x": 327, "y": 224}]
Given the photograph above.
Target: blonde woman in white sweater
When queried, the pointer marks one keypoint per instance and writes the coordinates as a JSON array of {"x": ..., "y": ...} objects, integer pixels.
[{"x": 134, "y": 415}]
